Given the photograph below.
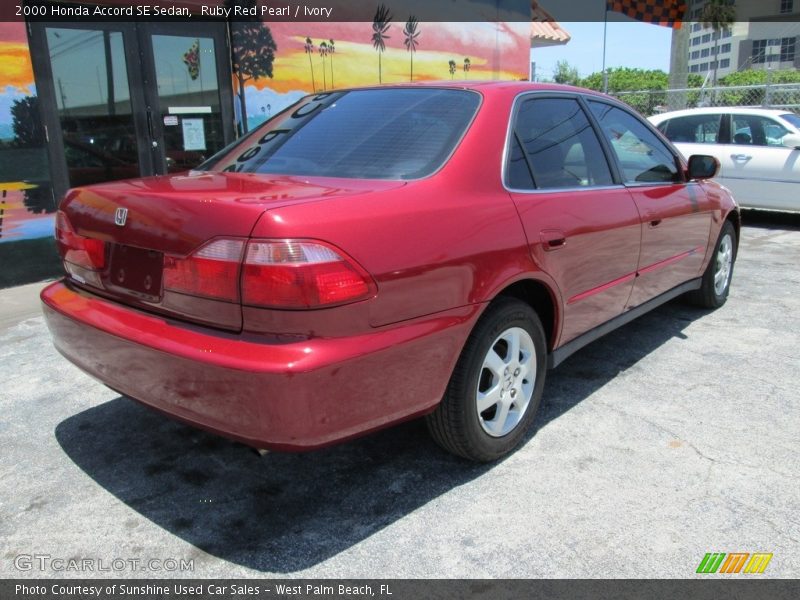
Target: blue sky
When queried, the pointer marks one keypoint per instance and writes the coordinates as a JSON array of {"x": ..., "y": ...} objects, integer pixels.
[{"x": 629, "y": 44}]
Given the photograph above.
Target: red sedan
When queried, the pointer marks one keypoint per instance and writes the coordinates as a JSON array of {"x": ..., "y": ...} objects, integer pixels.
[{"x": 373, "y": 255}]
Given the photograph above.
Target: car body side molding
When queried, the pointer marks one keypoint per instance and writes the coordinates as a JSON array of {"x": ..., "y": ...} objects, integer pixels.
[{"x": 560, "y": 354}]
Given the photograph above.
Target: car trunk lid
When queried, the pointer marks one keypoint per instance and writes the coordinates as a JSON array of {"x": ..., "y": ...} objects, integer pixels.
[{"x": 145, "y": 224}]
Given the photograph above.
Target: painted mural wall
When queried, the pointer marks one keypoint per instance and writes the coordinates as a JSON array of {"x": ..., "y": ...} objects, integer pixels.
[
  {"x": 27, "y": 251},
  {"x": 309, "y": 57},
  {"x": 274, "y": 65}
]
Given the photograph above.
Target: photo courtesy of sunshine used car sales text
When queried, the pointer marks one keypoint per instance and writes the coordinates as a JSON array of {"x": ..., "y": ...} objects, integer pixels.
[{"x": 186, "y": 591}]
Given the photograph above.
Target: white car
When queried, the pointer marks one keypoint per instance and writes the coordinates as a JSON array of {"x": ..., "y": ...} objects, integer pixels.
[{"x": 758, "y": 150}]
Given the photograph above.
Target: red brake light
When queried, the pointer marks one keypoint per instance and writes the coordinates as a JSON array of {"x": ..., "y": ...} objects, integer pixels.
[
  {"x": 77, "y": 249},
  {"x": 294, "y": 274},
  {"x": 212, "y": 271}
]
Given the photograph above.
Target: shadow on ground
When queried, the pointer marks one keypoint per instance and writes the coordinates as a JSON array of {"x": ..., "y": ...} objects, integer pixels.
[
  {"x": 771, "y": 219},
  {"x": 288, "y": 512}
]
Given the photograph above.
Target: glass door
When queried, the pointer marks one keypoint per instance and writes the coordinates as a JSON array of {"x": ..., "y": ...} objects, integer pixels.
[
  {"x": 190, "y": 101},
  {"x": 94, "y": 106},
  {"x": 91, "y": 101},
  {"x": 121, "y": 100}
]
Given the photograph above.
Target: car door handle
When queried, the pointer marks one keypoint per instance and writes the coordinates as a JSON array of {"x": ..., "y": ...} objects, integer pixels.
[
  {"x": 552, "y": 239},
  {"x": 741, "y": 156},
  {"x": 655, "y": 222}
]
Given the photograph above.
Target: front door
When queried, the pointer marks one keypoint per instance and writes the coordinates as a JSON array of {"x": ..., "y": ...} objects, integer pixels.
[
  {"x": 123, "y": 100},
  {"x": 675, "y": 214},
  {"x": 756, "y": 166}
]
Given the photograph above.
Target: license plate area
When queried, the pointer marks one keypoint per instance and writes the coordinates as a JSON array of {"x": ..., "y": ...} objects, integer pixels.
[{"x": 136, "y": 271}]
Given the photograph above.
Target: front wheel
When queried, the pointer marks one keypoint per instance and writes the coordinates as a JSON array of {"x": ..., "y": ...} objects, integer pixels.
[
  {"x": 496, "y": 387},
  {"x": 717, "y": 278}
]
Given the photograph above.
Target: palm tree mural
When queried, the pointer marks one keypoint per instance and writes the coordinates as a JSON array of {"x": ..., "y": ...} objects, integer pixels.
[
  {"x": 411, "y": 33},
  {"x": 718, "y": 15},
  {"x": 452, "y": 65},
  {"x": 331, "y": 51},
  {"x": 323, "y": 52},
  {"x": 467, "y": 65},
  {"x": 252, "y": 51},
  {"x": 380, "y": 27},
  {"x": 309, "y": 48}
]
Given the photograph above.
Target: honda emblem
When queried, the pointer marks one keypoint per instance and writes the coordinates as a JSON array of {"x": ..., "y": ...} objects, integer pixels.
[{"x": 121, "y": 216}]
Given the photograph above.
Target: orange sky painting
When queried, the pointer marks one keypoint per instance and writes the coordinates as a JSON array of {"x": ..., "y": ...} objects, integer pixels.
[
  {"x": 496, "y": 51},
  {"x": 15, "y": 67}
]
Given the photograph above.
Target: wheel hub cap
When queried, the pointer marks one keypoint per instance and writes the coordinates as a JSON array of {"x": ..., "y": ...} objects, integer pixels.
[
  {"x": 506, "y": 381},
  {"x": 723, "y": 264}
]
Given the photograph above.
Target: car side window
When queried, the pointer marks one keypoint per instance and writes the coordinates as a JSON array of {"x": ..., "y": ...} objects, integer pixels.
[
  {"x": 755, "y": 130},
  {"x": 554, "y": 146},
  {"x": 694, "y": 129},
  {"x": 641, "y": 155}
]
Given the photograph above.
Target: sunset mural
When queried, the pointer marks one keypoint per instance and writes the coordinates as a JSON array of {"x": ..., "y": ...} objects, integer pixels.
[
  {"x": 479, "y": 50},
  {"x": 285, "y": 61}
]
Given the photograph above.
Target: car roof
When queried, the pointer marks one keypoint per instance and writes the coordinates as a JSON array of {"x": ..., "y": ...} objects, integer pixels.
[
  {"x": 485, "y": 86},
  {"x": 742, "y": 110}
]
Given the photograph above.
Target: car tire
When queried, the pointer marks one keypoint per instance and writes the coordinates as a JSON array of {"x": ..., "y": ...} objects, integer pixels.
[
  {"x": 493, "y": 396},
  {"x": 717, "y": 278}
]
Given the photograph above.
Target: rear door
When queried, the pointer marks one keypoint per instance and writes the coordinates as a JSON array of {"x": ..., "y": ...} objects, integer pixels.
[
  {"x": 675, "y": 214},
  {"x": 582, "y": 228},
  {"x": 698, "y": 134}
]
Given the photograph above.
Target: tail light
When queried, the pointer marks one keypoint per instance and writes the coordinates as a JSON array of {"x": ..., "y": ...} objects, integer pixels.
[
  {"x": 211, "y": 272},
  {"x": 293, "y": 274},
  {"x": 84, "y": 252}
]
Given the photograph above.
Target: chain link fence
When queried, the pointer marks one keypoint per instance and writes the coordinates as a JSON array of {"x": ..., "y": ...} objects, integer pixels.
[{"x": 784, "y": 96}]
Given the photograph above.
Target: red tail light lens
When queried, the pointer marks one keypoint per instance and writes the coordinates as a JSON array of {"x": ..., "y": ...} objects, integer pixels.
[
  {"x": 77, "y": 249},
  {"x": 211, "y": 272},
  {"x": 294, "y": 274}
]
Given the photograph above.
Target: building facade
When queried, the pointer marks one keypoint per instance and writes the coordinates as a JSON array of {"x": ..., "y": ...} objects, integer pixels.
[
  {"x": 85, "y": 102},
  {"x": 765, "y": 36}
]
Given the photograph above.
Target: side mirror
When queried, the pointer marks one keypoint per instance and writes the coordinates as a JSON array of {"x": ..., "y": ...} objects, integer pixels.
[
  {"x": 702, "y": 166},
  {"x": 791, "y": 140}
]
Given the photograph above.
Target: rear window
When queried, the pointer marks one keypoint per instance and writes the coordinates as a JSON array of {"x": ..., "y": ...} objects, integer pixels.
[
  {"x": 370, "y": 134},
  {"x": 694, "y": 129}
]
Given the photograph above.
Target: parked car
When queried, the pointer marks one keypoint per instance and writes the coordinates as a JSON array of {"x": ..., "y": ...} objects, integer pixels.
[
  {"x": 758, "y": 150},
  {"x": 373, "y": 255}
]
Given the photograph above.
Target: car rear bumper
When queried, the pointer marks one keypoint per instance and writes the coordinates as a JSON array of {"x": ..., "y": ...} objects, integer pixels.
[{"x": 268, "y": 393}]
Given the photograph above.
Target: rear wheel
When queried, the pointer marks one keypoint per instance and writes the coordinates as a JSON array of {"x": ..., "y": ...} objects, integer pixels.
[
  {"x": 717, "y": 278},
  {"x": 496, "y": 387}
]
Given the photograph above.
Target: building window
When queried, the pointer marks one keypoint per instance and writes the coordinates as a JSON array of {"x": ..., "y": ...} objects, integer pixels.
[
  {"x": 697, "y": 27},
  {"x": 694, "y": 68},
  {"x": 787, "y": 6},
  {"x": 725, "y": 63},
  {"x": 759, "y": 54},
  {"x": 695, "y": 41},
  {"x": 705, "y": 52},
  {"x": 725, "y": 48},
  {"x": 695, "y": 55},
  {"x": 704, "y": 67},
  {"x": 726, "y": 33},
  {"x": 787, "y": 49},
  {"x": 706, "y": 38}
]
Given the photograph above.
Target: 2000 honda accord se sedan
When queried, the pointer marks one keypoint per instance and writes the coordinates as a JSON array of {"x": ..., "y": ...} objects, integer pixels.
[{"x": 373, "y": 255}]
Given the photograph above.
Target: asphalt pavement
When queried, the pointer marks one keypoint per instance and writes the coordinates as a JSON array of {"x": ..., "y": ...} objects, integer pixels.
[{"x": 674, "y": 436}]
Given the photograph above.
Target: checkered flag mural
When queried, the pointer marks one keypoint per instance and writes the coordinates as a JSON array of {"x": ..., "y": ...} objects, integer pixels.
[{"x": 659, "y": 12}]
